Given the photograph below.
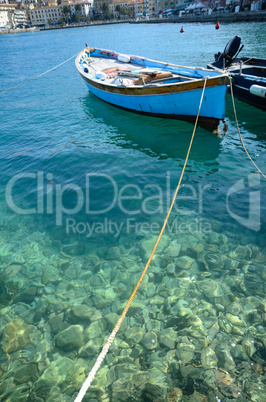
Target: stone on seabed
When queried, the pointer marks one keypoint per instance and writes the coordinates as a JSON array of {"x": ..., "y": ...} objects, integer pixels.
[
  {"x": 184, "y": 262},
  {"x": 173, "y": 249},
  {"x": 147, "y": 246},
  {"x": 81, "y": 312},
  {"x": 150, "y": 340},
  {"x": 15, "y": 336},
  {"x": 70, "y": 338},
  {"x": 168, "y": 338}
]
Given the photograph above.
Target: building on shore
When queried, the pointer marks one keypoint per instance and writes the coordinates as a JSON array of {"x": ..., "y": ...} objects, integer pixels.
[
  {"x": 5, "y": 20},
  {"x": 53, "y": 14},
  {"x": 12, "y": 17},
  {"x": 43, "y": 16},
  {"x": 121, "y": 9},
  {"x": 84, "y": 7}
]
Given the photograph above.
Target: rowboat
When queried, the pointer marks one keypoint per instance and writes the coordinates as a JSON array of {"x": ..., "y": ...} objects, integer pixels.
[
  {"x": 155, "y": 88},
  {"x": 248, "y": 73}
]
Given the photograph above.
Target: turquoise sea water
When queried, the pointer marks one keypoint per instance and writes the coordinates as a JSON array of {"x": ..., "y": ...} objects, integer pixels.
[{"x": 84, "y": 188}]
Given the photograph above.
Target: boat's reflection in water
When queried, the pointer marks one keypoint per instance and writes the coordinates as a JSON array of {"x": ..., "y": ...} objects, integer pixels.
[
  {"x": 249, "y": 117},
  {"x": 158, "y": 137}
]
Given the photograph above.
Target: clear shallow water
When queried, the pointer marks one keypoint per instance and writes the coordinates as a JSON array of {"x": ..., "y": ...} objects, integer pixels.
[{"x": 57, "y": 134}]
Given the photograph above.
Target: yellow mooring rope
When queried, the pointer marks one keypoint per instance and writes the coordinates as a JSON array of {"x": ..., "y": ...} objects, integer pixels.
[
  {"x": 245, "y": 149},
  {"x": 106, "y": 347},
  {"x": 37, "y": 76}
]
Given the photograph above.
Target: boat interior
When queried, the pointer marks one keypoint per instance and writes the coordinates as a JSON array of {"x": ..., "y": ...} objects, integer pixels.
[{"x": 119, "y": 73}]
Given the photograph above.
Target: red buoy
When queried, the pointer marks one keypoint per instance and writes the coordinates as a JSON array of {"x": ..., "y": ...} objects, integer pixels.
[
  {"x": 217, "y": 26},
  {"x": 182, "y": 30}
]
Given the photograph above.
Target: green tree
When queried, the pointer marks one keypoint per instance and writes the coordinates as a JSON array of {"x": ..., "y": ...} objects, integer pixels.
[
  {"x": 78, "y": 8},
  {"x": 105, "y": 7},
  {"x": 123, "y": 10},
  {"x": 118, "y": 10},
  {"x": 66, "y": 11}
]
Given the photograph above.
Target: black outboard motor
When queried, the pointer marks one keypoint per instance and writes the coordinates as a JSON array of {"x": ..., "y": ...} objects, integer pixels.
[{"x": 230, "y": 51}]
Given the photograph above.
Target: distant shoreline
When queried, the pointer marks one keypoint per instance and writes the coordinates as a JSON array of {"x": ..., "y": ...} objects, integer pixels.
[{"x": 247, "y": 16}]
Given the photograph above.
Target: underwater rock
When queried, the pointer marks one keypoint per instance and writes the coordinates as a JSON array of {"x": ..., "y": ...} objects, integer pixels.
[
  {"x": 227, "y": 385},
  {"x": 27, "y": 296},
  {"x": 154, "y": 392},
  {"x": 235, "y": 308},
  {"x": 147, "y": 246},
  {"x": 42, "y": 388},
  {"x": 170, "y": 269},
  {"x": 134, "y": 335},
  {"x": 23, "y": 311},
  {"x": 26, "y": 373},
  {"x": 248, "y": 343},
  {"x": 208, "y": 358},
  {"x": 184, "y": 262},
  {"x": 111, "y": 320},
  {"x": 214, "y": 260},
  {"x": 225, "y": 360},
  {"x": 213, "y": 331},
  {"x": 238, "y": 353},
  {"x": 157, "y": 300},
  {"x": 12, "y": 270},
  {"x": 194, "y": 249},
  {"x": 153, "y": 325},
  {"x": 185, "y": 350},
  {"x": 239, "y": 253},
  {"x": 235, "y": 320},
  {"x": 168, "y": 338},
  {"x": 50, "y": 275},
  {"x": 40, "y": 309},
  {"x": 175, "y": 395},
  {"x": 157, "y": 383},
  {"x": 73, "y": 249},
  {"x": 14, "y": 285},
  {"x": 215, "y": 291},
  {"x": 173, "y": 249},
  {"x": 149, "y": 290},
  {"x": 150, "y": 340},
  {"x": 113, "y": 253},
  {"x": 70, "y": 338},
  {"x": 110, "y": 294},
  {"x": 90, "y": 349},
  {"x": 56, "y": 322},
  {"x": 197, "y": 326},
  {"x": 98, "y": 390},
  {"x": 62, "y": 371},
  {"x": 95, "y": 330},
  {"x": 80, "y": 312},
  {"x": 123, "y": 389},
  {"x": 191, "y": 372},
  {"x": 20, "y": 393},
  {"x": 15, "y": 335}
]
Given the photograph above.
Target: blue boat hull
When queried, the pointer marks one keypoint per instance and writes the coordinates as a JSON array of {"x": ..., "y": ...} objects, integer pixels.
[{"x": 184, "y": 105}]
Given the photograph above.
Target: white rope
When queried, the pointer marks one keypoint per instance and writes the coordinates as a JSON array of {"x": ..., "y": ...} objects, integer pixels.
[
  {"x": 37, "y": 76},
  {"x": 108, "y": 343}
]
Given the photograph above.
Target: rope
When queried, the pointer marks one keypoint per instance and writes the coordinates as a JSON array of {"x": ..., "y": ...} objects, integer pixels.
[
  {"x": 37, "y": 76},
  {"x": 258, "y": 169},
  {"x": 107, "y": 345}
]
